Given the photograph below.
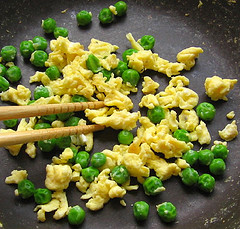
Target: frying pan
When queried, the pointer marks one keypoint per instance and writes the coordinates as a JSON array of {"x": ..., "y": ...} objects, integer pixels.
[{"x": 212, "y": 25}]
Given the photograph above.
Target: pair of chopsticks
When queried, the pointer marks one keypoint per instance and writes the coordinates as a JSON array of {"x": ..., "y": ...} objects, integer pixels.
[{"x": 22, "y": 137}]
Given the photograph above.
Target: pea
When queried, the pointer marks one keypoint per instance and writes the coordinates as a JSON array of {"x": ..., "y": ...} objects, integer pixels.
[
  {"x": 76, "y": 215},
  {"x": 205, "y": 156},
  {"x": 220, "y": 151},
  {"x": 181, "y": 135},
  {"x": 105, "y": 16},
  {"x": 39, "y": 43},
  {"x": 40, "y": 91},
  {"x": 79, "y": 99},
  {"x": 31, "y": 102},
  {"x": 125, "y": 137},
  {"x": 206, "y": 182},
  {"x": 120, "y": 174},
  {"x": 84, "y": 18},
  {"x": 38, "y": 58},
  {"x": 14, "y": 74},
  {"x": 72, "y": 121},
  {"x": 83, "y": 159},
  {"x": 147, "y": 42},
  {"x": 63, "y": 142},
  {"x": 3, "y": 70},
  {"x": 122, "y": 66},
  {"x": 42, "y": 125},
  {"x": 131, "y": 76},
  {"x": 8, "y": 53},
  {"x": 107, "y": 74},
  {"x": 26, "y": 49},
  {"x": 64, "y": 116},
  {"x": 75, "y": 151},
  {"x": 121, "y": 8},
  {"x": 141, "y": 210},
  {"x": 189, "y": 176},
  {"x": 26, "y": 188},
  {"x": 42, "y": 196},
  {"x": 53, "y": 72},
  {"x": 10, "y": 123},
  {"x": 153, "y": 186},
  {"x": 4, "y": 84},
  {"x": 49, "y": 118},
  {"x": 191, "y": 157},
  {"x": 156, "y": 114},
  {"x": 60, "y": 31},
  {"x": 47, "y": 145},
  {"x": 217, "y": 166},
  {"x": 49, "y": 25},
  {"x": 167, "y": 212},
  {"x": 93, "y": 64},
  {"x": 206, "y": 111},
  {"x": 128, "y": 52},
  {"x": 89, "y": 174},
  {"x": 98, "y": 160}
]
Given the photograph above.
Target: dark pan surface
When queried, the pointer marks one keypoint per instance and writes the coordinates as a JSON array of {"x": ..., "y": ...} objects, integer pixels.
[{"x": 176, "y": 25}]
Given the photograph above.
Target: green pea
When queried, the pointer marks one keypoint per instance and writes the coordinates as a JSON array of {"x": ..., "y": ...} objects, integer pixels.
[
  {"x": 75, "y": 151},
  {"x": 122, "y": 66},
  {"x": 128, "y": 52},
  {"x": 141, "y": 210},
  {"x": 220, "y": 151},
  {"x": 105, "y": 16},
  {"x": 49, "y": 118},
  {"x": 131, "y": 76},
  {"x": 217, "y": 166},
  {"x": 79, "y": 99},
  {"x": 84, "y": 18},
  {"x": 49, "y": 25},
  {"x": 53, "y": 72},
  {"x": 205, "y": 156},
  {"x": 83, "y": 159},
  {"x": 26, "y": 188},
  {"x": 4, "y": 84},
  {"x": 63, "y": 142},
  {"x": 60, "y": 31},
  {"x": 47, "y": 145},
  {"x": 93, "y": 64},
  {"x": 39, "y": 43},
  {"x": 120, "y": 174},
  {"x": 10, "y": 123},
  {"x": 125, "y": 137},
  {"x": 8, "y": 53},
  {"x": 31, "y": 102},
  {"x": 14, "y": 74},
  {"x": 181, "y": 135},
  {"x": 191, "y": 157},
  {"x": 156, "y": 114},
  {"x": 206, "y": 111},
  {"x": 76, "y": 215},
  {"x": 153, "y": 186},
  {"x": 189, "y": 176},
  {"x": 42, "y": 125},
  {"x": 64, "y": 116},
  {"x": 98, "y": 160},
  {"x": 107, "y": 74},
  {"x": 167, "y": 212},
  {"x": 89, "y": 173},
  {"x": 38, "y": 58},
  {"x": 147, "y": 42},
  {"x": 121, "y": 8},
  {"x": 3, "y": 70},
  {"x": 72, "y": 121},
  {"x": 42, "y": 196},
  {"x": 26, "y": 49},
  {"x": 206, "y": 182},
  {"x": 40, "y": 91}
]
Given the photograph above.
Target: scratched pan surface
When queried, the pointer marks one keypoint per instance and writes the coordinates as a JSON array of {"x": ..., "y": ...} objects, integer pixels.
[{"x": 176, "y": 25}]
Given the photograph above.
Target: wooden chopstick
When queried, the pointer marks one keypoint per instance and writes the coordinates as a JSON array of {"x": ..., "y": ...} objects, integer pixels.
[
  {"x": 22, "y": 137},
  {"x": 12, "y": 112}
]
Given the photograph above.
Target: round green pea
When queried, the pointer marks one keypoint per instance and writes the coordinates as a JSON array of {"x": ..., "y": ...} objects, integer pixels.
[
  {"x": 98, "y": 160},
  {"x": 121, "y": 8},
  {"x": 217, "y": 166},
  {"x": 8, "y": 53},
  {"x": 49, "y": 118},
  {"x": 39, "y": 43},
  {"x": 220, "y": 151},
  {"x": 79, "y": 99},
  {"x": 181, "y": 135},
  {"x": 14, "y": 74},
  {"x": 63, "y": 142},
  {"x": 131, "y": 76},
  {"x": 38, "y": 58},
  {"x": 3, "y": 70},
  {"x": 167, "y": 212},
  {"x": 10, "y": 123},
  {"x": 42, "y": 195},
  {"x": 53, "y": 72},
  {"x": 107, "y": 74},
  {"x": 83, "y": 159},
  {"x": 40, "y": 91},
  {"x": 60, "y": 31},
  {"x": 84, "y": 18},
  {"x": 42, "y": 125},
  {"x": 205, "y": 156},
  {"x": 75, "y": 151},
  {"x": 156, "y": 114},
  {"x": 122, "y": 66},
  {"x": 26, "y": 188},
  {"x": 125, "y": 137},
  {"x": 128, "y": 52},
  {"x": 76, "y": 215},
  {"x": 141, "y": 210},
  {"x": 93, "y": 64},
  {"x": 206, "y": 182},
  {"x": 4, "y": 84},
  {"x": 49, "y": 25},
  {"x": 189, "y": 176},
  {"x": 153, "y": 186},
  {"x": 89, "y": 173},
  {"x": 72, "y": 121},
  {"x": 47, "y": 145},
  {"x": 26, "y": 48},
  {"x": 147, "y": 42},
  {"x": 105, "y": 16},
  {"x": 206, "y": 111},
  {"x": 64, "y": 116},
  {"x": 120, "y": 174},
  {"x": 191, "y": 157}
]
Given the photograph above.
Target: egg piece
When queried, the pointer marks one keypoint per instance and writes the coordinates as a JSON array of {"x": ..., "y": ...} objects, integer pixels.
[
  {"x": 82, "y": 185},
  {"x": 61, "y": 211},
  {"x": 63, "y": 158},
  {"x": 135, "y": 45},
  {"x": 31, "y": 149},
  {"x": 16, "y": 176},
  {"x": 229, "y": 132},
  {"x": 231, "y": 115},
  {"x": 203, "y": 134},
  {"x": 40, "y": 77},
  {"x": 188, "y": 120},
  {"x": 149, "y": 101},
  {"x": 110, "y": 62},
  {"x": 149, "y": 86}
]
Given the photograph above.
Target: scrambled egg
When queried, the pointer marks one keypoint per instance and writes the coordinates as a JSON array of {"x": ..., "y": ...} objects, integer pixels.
[
  {"x": 229, "y": 132},
  {"x": 16, "y": 176},
  {"x": 230, "y": 115}
]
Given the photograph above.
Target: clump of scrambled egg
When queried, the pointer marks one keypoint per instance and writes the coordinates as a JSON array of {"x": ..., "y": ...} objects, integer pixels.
[{"x": 229, "y": 132}]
